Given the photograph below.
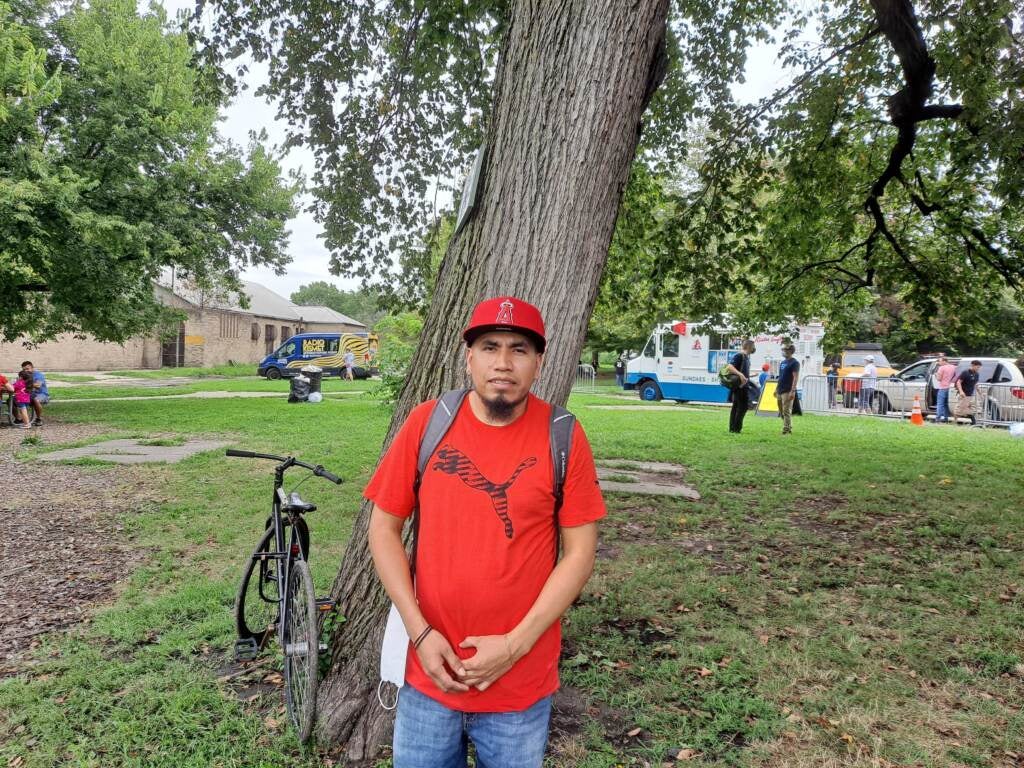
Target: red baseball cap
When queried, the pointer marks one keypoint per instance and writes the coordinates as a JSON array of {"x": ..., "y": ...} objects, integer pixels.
[{"x": 506, "y": 313}]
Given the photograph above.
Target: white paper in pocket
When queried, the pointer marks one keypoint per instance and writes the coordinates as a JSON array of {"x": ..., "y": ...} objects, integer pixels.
[{"x": 393, "y": 652}]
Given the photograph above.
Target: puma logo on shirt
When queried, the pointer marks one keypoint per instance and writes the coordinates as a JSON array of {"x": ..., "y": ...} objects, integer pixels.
[{"x": 452, "y": 461}]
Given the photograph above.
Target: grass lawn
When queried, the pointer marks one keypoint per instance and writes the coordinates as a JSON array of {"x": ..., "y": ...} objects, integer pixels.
[
  {"x": 848, "y": 595},
  {"x": 248, "y": 369},
  {"x": 329, "y": 386}
]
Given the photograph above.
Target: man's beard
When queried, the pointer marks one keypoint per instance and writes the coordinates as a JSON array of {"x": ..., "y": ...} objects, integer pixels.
[{"x": 501, "y": 409}]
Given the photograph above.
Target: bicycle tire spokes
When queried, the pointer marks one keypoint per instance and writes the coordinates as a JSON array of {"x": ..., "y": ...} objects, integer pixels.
[{"x": 301, "y": 645}]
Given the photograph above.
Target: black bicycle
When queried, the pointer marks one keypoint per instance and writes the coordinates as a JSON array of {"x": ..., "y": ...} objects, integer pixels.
[{"x": 276, "y": 594}]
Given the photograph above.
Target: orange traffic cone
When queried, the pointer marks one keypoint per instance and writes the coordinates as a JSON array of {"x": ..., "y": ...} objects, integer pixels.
[{"x": 915, "y": 415}]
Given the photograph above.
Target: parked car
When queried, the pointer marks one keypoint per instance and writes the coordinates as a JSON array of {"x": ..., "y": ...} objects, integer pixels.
[
  {"x": 896, "y": 393},
  {"x": 1002, "y": 402}
]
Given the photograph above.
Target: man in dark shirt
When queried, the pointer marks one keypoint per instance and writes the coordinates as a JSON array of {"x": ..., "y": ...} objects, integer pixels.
[
  {"x": 620, "y": 371},
  {"x": 739, "y": 364},
  {"x": 966, "y": 384},
  {"x": 785, "y": 390}
]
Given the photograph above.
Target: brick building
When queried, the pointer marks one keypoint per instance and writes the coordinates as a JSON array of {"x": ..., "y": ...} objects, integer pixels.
[{"x": 217, "y": 330}]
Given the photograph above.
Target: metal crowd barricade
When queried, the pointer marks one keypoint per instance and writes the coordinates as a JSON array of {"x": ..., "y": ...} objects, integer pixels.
[
  {"x": 815, "y": 394},
  {"x": 889, "y": 397},
  {"x": 585, "y": 378},
  {"x": 999, "y": 405}
]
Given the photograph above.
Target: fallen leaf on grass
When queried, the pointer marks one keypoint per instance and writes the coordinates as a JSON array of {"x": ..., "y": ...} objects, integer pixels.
[
  {"x": 763, "y": 639},
  {"x": 273, "y": 678},
  {"x": 635, "y": 732},
  {"x": 15, "y": 762},
  {"x": 271, "y": 723},
  {"x": 705, "y": 672},
  {"x": 686, "y": 754}
]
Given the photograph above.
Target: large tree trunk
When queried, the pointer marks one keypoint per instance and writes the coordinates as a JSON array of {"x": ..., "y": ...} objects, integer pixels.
[{"x": 572, "y": 83}]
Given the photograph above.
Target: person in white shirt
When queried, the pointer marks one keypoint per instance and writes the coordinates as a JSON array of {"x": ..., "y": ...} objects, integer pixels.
[{"x": 868, "y": 381}]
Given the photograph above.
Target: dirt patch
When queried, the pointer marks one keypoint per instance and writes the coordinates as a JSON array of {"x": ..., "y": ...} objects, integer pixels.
[
  {"x": 64, "y": 547},
  {"x": 572, "y": 710}
]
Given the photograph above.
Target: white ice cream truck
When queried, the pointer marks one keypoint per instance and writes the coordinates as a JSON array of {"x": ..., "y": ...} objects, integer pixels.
[{"x": 678, "y": 363}]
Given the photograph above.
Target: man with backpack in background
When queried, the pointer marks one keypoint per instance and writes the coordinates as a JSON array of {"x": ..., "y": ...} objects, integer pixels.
[
  {"x": 482, "y": 601},
  {"x": 739, "y": 366}
]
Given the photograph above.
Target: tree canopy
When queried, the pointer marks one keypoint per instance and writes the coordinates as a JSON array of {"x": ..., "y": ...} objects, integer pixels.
[
  {"x": 112, "y": 171},
  {"x": 890, "y": 164}
]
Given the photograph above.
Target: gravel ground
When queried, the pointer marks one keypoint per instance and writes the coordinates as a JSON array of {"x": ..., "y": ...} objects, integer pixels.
[{"x": 63, "y": 547}]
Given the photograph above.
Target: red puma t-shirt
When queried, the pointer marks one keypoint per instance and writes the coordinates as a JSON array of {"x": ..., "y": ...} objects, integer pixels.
[{"x": 487, "y": 538}]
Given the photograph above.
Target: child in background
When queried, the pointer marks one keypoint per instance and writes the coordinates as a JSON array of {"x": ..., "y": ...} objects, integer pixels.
[{"x": 22, "y": 397}]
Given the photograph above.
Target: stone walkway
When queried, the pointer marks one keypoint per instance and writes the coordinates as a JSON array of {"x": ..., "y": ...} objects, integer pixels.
[
  {"x": 134, "y": 451},
  {"x": 651, "y": 478}
]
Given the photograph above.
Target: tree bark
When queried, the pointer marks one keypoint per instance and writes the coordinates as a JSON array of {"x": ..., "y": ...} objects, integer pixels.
[{"x": 573, "y": 80}]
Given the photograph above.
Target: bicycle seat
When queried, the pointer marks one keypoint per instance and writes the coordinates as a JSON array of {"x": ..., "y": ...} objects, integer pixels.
[{"x": 296, "y": 504}]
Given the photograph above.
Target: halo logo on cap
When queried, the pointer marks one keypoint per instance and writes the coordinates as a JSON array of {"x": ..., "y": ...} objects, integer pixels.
[{"x": 504, "y": 314}]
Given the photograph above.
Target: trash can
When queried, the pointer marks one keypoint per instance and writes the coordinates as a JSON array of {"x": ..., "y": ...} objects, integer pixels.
[
  {"x": 315, "y": 374},
  {"x": 299, "y": 391}
]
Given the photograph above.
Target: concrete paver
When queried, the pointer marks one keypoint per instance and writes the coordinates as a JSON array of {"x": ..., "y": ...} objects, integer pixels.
[
  {"x": 650, "y": 478},
  {"x": 134, "y": 452}
]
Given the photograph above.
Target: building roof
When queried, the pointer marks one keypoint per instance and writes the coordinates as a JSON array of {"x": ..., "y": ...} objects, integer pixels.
[
  {"x": 311, "y": 314},
  {"x": 263, "y": 302}
]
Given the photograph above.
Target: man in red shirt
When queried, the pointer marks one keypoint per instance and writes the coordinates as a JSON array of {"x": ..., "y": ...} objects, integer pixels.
[{"x": 483, "y": 618}]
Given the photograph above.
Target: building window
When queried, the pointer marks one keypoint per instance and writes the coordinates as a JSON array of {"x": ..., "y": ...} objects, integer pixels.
[
  {"x": 255, "y": 332},
  {"x": 230, "y": 326},
  {"x": 286, "y": 333}
]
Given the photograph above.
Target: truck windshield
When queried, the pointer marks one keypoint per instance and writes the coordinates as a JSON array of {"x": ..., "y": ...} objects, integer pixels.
[
  {"x": 857, "y": 358},
  {"x": 649, "y": 349}
]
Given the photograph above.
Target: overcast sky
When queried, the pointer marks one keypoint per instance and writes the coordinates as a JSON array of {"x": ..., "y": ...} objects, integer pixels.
[{"x": 310, "y": 258}]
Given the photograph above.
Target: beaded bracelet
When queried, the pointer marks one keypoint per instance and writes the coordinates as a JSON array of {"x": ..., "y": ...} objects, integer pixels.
[{"x": 422, "y": 636}]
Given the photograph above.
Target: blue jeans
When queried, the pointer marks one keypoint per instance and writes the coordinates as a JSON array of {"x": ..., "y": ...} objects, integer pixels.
[
  {"x": 867, "y": 396},
  {"x": 429, "y": 735},
  {"x": 942, "y": 405}
]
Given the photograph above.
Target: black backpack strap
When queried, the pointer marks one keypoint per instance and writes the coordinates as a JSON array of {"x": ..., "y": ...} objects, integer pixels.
[
  {"x": 561, "y": 429},
  {"x": 440, "y": 421}
]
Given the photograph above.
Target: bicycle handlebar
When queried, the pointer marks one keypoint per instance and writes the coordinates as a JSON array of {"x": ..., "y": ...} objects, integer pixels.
[{"x": 317, "y": 469}]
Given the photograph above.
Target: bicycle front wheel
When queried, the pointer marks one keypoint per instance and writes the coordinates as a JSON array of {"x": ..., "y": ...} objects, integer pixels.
[
  {"x": 256, "y": 606},
  {"x": 301, "y": 647}
]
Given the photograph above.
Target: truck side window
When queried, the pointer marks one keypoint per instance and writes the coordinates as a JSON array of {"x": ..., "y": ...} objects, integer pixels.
[
  {"x": 649, "y": 349},
  {"x": 332, "y": 345},
  {"x": 669, "y": 345},
  {"x": 287, "y": 350}
]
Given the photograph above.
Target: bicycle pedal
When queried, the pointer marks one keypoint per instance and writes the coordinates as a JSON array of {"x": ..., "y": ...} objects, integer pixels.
[
  {"x": 246, "y": 649},
  {"x": 325, "y": 605}
]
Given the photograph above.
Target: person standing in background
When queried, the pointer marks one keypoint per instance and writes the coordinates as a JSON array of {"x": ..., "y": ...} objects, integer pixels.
[
  {"x": 944, "y": 376},
  {"x": 832, "y": 380},
  {"x": 868, "y": 381},
  {"x": 739, "y": 365},
  {"x": 785, "y": 390}
]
